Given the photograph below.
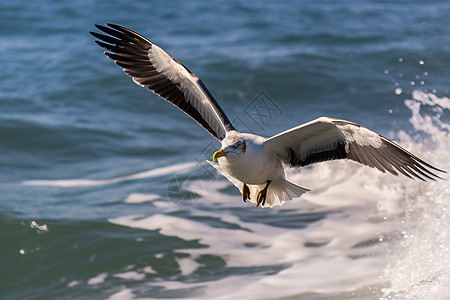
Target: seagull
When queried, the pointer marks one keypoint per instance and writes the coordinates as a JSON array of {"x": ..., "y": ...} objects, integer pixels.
[{"x": 254, "y": 164}]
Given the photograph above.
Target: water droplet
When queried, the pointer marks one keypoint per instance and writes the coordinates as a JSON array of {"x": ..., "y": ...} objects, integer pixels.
[
  {"x": 400, "y": 59},
  {"x": 398, "y": 91},
  {"x": 40, "y": 228},
  {"x": 21, "y": 251},
  {"x": 421, "y": 62}
]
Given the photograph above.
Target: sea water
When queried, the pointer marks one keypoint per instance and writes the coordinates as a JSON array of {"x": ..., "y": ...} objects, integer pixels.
[{"x": 104, "y": 189}]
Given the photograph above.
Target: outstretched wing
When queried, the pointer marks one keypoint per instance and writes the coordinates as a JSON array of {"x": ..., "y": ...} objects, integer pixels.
[
  {"x": 154, "y": 68},
  {"x": 329, "y": 139}
]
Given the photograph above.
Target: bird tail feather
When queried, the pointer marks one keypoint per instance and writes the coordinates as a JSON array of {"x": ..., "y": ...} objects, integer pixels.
[
  {"x": 278, "y": 193},
  {"x": 281, "y": 191},
  {"x": 293, "y": 190}
]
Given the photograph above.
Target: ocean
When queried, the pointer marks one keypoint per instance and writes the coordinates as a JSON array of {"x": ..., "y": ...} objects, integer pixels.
[{"x": 104, "y": 188}]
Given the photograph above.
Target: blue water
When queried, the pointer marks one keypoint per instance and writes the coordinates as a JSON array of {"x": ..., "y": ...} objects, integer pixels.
[{"x": 104, "y": 193}]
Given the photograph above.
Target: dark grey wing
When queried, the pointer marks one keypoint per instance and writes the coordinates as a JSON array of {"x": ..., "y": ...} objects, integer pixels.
[
  {"x": 152, "y": 67},
  {"x": 329, "y": 139}
]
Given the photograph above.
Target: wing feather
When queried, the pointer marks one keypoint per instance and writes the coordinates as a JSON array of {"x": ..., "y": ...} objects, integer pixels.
[
  {"x": 329, "y": 139},
  {"x": 152, "y": 67}
]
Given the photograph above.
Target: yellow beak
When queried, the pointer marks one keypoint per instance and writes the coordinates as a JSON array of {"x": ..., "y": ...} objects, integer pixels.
[{"x": 219, "y": 153}]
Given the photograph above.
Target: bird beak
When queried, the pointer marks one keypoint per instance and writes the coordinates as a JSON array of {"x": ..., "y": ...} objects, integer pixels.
[{"x": 219, "y": 153}]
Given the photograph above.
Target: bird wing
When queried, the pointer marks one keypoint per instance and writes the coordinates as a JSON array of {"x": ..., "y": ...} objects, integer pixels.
[
  {"x": 152, "y": 67},
  {"x": 329, "y": 139}
]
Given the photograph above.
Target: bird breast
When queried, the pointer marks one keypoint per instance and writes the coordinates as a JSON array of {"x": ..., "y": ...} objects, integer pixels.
[{"x": 254, "y": 166}]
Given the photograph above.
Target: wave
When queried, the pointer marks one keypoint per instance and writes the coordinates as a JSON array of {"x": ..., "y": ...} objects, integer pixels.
[
  {"x": 69, "y": 183},
  {"x": 379, "y": 236},
  {"x": 358, "y": 234},
  {"x": 420, "y": 256}
]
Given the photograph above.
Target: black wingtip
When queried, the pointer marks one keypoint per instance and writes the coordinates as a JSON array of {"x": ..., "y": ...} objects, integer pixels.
[
  {"x": 424, "y": 166},
  {"x": 98, "y": 26},
  {"x": 116, "y": 27},
  {"x": 105, "y": 46},
  {"x": 97, "y": 35},
  {"x": 131, "y": 51}
]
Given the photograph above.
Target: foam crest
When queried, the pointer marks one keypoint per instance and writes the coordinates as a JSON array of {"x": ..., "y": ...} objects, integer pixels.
[
  {"x": 141, "y": 198},
  {"x": 429, "y": 123},
  {"x": 420, "y": 256}
]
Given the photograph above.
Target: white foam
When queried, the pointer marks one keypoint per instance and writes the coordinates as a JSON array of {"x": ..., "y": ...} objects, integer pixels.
[
  {"x": 185, "y": 167},
  {"x": 149, "y": 270},
  {"x": 141, "y": 198},
  {"x": 122, "y": 294},
  {"x": 73, "y": 283},
  {"x": 300, "y": 278},
  {"x": 431, "y": 99},
  {"x": 419, "y": 260},
  {"x": 187, "y": 265},
  {"x": 98, "y": 279},
  {"x": 131, "y": 275}
]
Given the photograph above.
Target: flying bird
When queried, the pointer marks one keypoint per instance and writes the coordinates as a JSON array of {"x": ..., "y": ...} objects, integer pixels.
[{"x": 253, "y": 163}]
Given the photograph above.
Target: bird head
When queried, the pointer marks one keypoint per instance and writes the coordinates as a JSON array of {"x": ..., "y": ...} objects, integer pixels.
[{"x": 233, "y": 146}]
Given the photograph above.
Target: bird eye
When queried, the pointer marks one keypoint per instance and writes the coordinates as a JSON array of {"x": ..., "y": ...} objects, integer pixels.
[{"x": 235, "y": 146}]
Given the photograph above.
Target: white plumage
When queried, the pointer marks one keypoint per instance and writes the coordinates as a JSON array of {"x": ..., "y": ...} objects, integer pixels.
[{"x": 253, "y": 163}]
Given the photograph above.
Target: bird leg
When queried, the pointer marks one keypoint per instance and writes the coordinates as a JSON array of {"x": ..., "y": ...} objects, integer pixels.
[
  {"x": 262, "y": 195},
  {"x": 245, "y": 192}
]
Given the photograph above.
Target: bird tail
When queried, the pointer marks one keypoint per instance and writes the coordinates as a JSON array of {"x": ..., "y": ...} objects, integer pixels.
[
  {"x": 293, "y": 190},
  {"x": 281, "y": 191},
  {"x": 278, "y": 193}
]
